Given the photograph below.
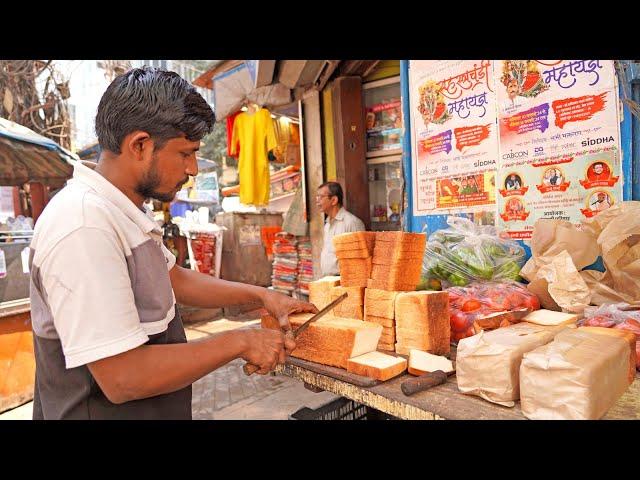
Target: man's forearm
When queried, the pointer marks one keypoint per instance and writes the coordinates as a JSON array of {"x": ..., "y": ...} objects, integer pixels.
[
  {"x": 151, "y": 370},
  {"x": 198, "y": 290}
]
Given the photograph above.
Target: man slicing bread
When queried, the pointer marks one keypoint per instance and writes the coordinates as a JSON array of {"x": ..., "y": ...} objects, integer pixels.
[
  {"x": 108, "y": 338},
  {"x": 329, "y": 199}
]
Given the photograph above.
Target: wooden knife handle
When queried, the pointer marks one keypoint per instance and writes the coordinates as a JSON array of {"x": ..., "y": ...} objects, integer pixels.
[
  {"x": 423, "y": 382},
  {"x": 250, "y": 368}
]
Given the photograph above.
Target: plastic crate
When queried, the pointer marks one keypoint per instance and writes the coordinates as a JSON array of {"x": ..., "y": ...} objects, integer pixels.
[{"x": 340, "y": 409}]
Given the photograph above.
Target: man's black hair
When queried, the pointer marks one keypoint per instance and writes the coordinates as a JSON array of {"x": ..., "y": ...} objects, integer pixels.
[
  {"x": 158, "y": 102},
  {"x": 598, "y": 163},
  {"x": 335, "y": 190}
]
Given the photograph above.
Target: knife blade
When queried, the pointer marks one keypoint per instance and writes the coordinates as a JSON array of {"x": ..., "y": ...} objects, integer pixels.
[
  {"x": 250, "y": 368},
  {"x": 319, "y": 315}
]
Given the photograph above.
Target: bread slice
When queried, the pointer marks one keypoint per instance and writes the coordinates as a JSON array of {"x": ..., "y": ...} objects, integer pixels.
[
  {"x": 379, "y": 303},
  {"x": 359, "y": 253},
  {"x": 355, "y": 294},
  {"x": 353, "y": 305},
  {"x": 330, "y": 340},
  {"x": 398, "y": 286},
  {"x": 404, "y": 237},
  {"x": 388, "y": 337},
  {"x": 423, "y": 362},
  {"x": 320, "y": 291},
  {"x": 355, "y": 240},
  {"x": 377, "y": 365},
  {"x": 409, "y": 273},
  {"x": 425, "y": 317},
  {"x": 354, "y": 272},
  {"x": 385, "y": 322},
  {"x": 549, "y": 317}
]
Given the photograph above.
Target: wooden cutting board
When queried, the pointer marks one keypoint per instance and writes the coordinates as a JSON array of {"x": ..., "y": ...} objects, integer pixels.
[{"x": 334, "y": 372}]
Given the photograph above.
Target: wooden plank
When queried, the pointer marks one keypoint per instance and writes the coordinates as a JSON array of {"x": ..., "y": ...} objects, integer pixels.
[
  {"x": 329, "y": 139},
  {"x": 311, "y": 140},
  {"x": 290, "y": 72},
  {"x": 350, "y": 67},
  {"x": 441, "y": 402},
  {"x": 310, "y": 73},
  {"x": 349, "y": 131},
  {"x": 264, "y": 72},
  {"x": 324, "y": 75},
  {"x": 370, "y": 68},
  {"x": 206, "y": 79}
]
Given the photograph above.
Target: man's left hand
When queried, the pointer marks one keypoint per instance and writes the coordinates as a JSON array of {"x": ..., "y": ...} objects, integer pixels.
[{"x": 280, "y": 306}]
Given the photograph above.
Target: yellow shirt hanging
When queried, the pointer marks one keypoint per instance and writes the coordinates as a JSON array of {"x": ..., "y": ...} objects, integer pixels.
[{"x": 255, "y": 134}]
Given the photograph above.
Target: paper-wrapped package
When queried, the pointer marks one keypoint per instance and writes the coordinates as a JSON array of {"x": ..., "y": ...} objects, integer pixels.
[
  {"x": 560, "y": 251},
  {"x": 580, "y": 375},
  {"x": 488, "y": 364}
]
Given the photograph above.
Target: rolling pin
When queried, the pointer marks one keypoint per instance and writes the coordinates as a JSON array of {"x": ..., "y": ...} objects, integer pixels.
[{"x": 425, "y": 382}]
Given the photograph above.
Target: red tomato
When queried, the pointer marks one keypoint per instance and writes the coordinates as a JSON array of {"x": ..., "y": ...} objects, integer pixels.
[
  {"x": 497, "y": 303},
  {"x": 531, "y": 302},
  {"x": 516, "y": 299},
  {"x": 630, "y": 325},
  {"x": 600, "y": 321},
  {"x": 458, "y": 321},
  {"x": 471, "y": 305}
]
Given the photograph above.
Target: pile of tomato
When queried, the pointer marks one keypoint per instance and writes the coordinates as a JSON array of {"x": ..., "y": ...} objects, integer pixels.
[
  {"x": 467, "y": 303},
  {"x": 620, "y": 320}
]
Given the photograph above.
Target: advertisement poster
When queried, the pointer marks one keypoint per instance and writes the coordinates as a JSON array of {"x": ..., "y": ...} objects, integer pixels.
[
  {"x": 384, "y": 126},
  {"x": 455, "y": 137},
  {"x": 559, "y": 141}
]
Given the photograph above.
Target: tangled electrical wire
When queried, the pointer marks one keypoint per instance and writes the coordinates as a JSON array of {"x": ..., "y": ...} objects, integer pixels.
[{"x": 34, "y": 94}]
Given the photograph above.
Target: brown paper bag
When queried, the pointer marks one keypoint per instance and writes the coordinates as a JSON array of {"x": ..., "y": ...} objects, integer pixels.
[
  {"x": 580, "y": 375},
  {"x": 614, "y": 234},
  {"x": 488, "y": 364}
]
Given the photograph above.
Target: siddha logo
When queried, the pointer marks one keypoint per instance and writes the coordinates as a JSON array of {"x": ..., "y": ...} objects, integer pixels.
[
  {"x": 538, "y": 151},
  {"x": 596, "y": 141},
  {"x": 484, "y": 163},
  {"x": 513, "y": 154}
]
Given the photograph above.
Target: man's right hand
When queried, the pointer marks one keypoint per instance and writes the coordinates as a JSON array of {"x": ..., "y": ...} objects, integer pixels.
[{"x": 266, "y": 348}]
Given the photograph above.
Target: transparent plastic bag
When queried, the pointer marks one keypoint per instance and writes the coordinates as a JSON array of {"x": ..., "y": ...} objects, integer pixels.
[
  {"x": 464, "y": 252},
  {"x": 615, "y": 315},
  {"x": 481, "y": 299}
]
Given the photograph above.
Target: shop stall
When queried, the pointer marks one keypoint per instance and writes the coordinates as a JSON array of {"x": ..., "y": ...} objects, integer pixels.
[{"x": 32, "y": 168}]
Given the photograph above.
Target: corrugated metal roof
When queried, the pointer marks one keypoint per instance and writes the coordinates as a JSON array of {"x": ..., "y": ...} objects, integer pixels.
[{"x": 26, "y": 156}]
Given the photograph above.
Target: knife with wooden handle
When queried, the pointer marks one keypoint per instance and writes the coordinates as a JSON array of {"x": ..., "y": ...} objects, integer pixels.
[
  {"x": 250, "y": 368},
  {"x": 425, "y": 382}
]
